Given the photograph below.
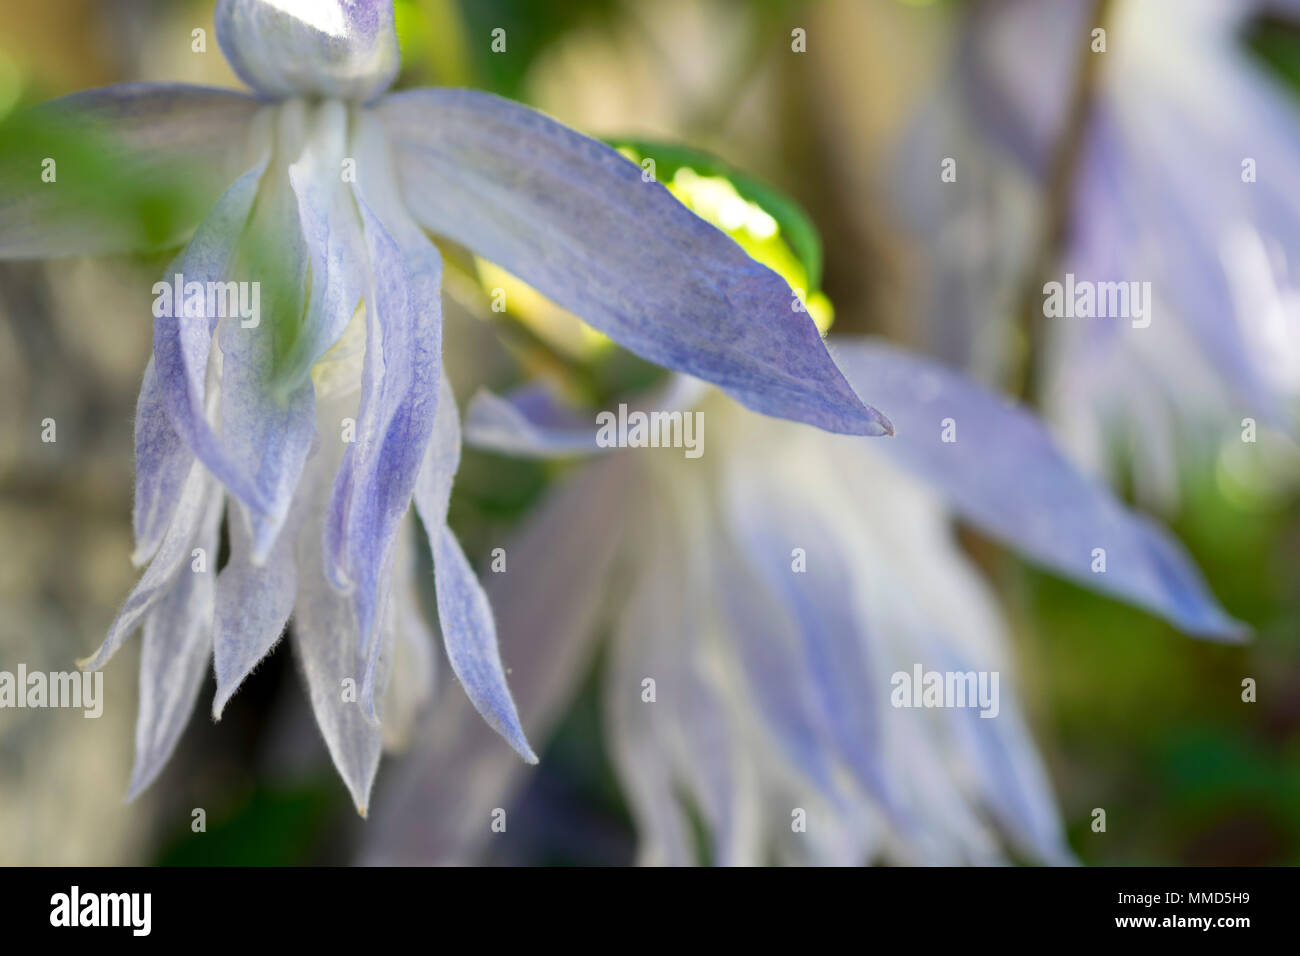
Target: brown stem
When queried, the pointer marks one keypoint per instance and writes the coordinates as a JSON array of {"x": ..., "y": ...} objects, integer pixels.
[{"x": 1059, "y": 194}]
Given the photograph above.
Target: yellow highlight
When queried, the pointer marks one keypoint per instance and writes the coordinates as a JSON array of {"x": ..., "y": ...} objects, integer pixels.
[{"x": 560, "y": 327}]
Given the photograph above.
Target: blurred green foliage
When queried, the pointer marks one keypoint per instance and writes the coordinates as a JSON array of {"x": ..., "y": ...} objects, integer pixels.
[
  {"x": 1151, "y": 726},
  {"x": 275, "y": 826},
  {"x": 151, "y": 210}
]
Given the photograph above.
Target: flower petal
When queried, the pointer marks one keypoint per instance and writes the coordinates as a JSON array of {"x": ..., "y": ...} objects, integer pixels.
[
  {"x": 399, "y": 399},
  {"x": 1004, "y": 474},
  {"x": 548, "y": 606},
  {"x": 183, "y": 341},
  {"x": 187, "y": 143},
  {"x": 329, "y": 224},
  {"x": 325, "y": 632},
  {"x": 174, "y": 658},
  {"x": 528, "y": 423},
  {"x": 325, "y": 640},
  {"x": 197, "y": 498},
  {"x": 767, "y": 647},
  {"x": 1012, "y": 777},
  {"x": 335, "y": 49},
  {"x": 531, "y": 422},
  {"x": 470, "y": 636},
  {"x": 253, "y": 605},
  {"x": 162, "y": 460},
  {"x": 911, "y": 598},
  {"x": 414, "y": 670},
  {"x": 641, "y": 737},
  {"x": 268, "y": 423},
  {"x": 468, "y": 630},
  {"x": 308, "y": 220},
  {"x": 693, "y": 737},
  {"x": 574, "y": 219},
  {"x": 770, "y": 525}
]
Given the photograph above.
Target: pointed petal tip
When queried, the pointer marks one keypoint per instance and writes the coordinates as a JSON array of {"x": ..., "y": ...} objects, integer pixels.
[
  {"x": 863, "y": 419},
  {"x": 138, "y": 786},
  {"x": 1226, "y": 631},
  {"x": 878, "y": 422},
  {"x": 514, "y": 736},
  {"x": 359, "y": 790}
]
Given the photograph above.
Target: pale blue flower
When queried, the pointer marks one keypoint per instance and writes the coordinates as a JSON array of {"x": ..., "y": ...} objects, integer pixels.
[
  {"x": 773, "y": 684},
  {"x": 320, "y": 529},
  {"x": 1185, "y": 178}
]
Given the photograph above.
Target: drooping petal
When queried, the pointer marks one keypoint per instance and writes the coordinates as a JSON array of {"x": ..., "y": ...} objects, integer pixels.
[
  {"x": 772, "y": 526},
  {"x": 1012, "y": 777},
  {"x": 183, "y": 341},
  {"x": 469, "y": 634},
  {"x": 399, "y": 399},
  {"x": 531, "y": 422},
  {"x": 325, "y": 642},
  {"x": 468, "y": 630},
  {"x": 1004, "y": 474},
  {"x": 528, "y": 424},
  {"x": 641, "y": 734},
  {"x": 267, "y": 422},
  {"x": 910, "y": 598},
  {"x": 162, "y": 460},
  {"x": 1146, "y": 204},
  {"x": 335, "y": 49},
  {"x": 707, "y": 699},
  {"x": 548, "y": 605},
  {"x": 676, "y": 740},
  {"x": 175, "y": 656},
  {"x": 325, "y": 636},
  {"x": 308, "y": 223},
  {"x": 253, "y": 605},
  {"x": 414, "y": 669},
  {"x": 577, "y": 221},
  {"x": 186, "y": 142},
  {"x": 199, "y": 495},
  {"x": 766, "y": 644}
]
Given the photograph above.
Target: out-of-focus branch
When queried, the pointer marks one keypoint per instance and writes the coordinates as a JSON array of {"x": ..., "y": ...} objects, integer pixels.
[{"x": 1059, "y": 201}]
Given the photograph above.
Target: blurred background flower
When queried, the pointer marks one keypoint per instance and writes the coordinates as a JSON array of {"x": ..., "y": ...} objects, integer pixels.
[{"x": 1128, "y": 714}]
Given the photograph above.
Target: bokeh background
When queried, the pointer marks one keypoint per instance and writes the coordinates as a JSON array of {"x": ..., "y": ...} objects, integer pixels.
[{"x": 1128, "y": 714}]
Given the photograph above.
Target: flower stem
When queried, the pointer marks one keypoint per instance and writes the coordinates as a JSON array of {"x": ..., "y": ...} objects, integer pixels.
[{"x": 1062, "y": 175}]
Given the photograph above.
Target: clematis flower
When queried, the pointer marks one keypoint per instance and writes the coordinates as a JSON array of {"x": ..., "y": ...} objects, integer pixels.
[
  {"x": 1182, "y": 181},
  {"x": 771, "y": 589},
  {"x": 323, "y": 187}
]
